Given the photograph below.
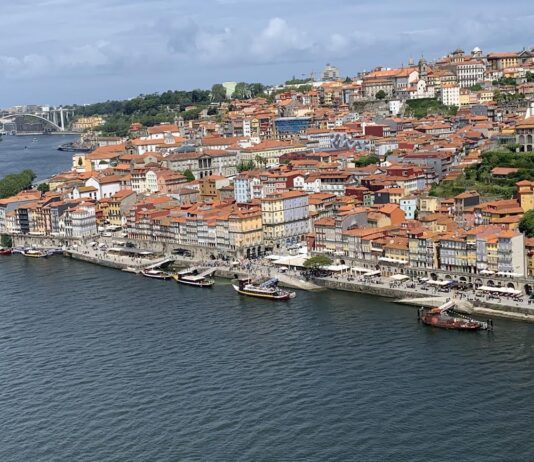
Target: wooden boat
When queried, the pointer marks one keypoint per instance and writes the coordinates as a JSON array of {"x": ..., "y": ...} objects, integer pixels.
[
  {"x": 194, "y": 280},
  {"x": 193, "y": 277},
  {"x": 441, "y": 317},
  {"x": 156, "y": 274},
  {"x": 268, "y": 290},
  {"x": 4, "y": 251},
  {"x": 35, "y": 253}
]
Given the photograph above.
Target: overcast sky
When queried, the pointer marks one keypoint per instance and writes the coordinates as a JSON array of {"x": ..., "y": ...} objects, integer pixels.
[{"x": 72, "y": 51}]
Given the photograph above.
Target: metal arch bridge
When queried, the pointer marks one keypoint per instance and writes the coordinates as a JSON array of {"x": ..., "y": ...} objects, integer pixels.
[{"x": 14, "y": 116}]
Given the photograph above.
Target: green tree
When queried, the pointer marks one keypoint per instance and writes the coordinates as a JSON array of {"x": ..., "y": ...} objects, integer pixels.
[
  {"x": 367, "y": 160},
  {"x": 189, "y": 175},
  {"x": 475, "y": 87},
  {"x": 6, "y": 241},
  {"x": 43, "y": 187},
  {"x": 526, "y": 225},
  {"x": 244, "y": 166},
  {"x": 260, "y": 160},
  {"x": 348, "y": 80},
  {"x": 218, "y": 93},
  {"x": 317, "y": 261},
  {"x": 380, "y": 94},
  {"x": 241, "y": 91},
  {"x": 12, "y": 184}
]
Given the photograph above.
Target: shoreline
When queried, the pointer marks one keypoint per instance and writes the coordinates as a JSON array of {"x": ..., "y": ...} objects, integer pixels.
[{"x": 397, "y": 295}]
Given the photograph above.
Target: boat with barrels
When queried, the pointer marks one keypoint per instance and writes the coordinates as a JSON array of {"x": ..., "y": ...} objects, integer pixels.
[
  {"x": 194, "y": 277},
  {"x": 35, "y": 253},
  {"x": 443, "y": 317},
  {"x": 268, "y": 289}
]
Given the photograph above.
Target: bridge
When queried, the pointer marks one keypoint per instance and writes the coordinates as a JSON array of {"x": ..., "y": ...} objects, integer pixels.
[{"x": 57, "y": 119}]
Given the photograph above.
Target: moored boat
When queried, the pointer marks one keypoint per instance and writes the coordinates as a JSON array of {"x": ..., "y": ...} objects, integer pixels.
[
  {"x": 155, "y": 274},
  {"x": 268, "y": 290},
  {"x": 5, "y": 251},
  {"x": 441, "y": 317},
  {"x": 35, "y": 253},
  {"x": 193, "y": 280}
]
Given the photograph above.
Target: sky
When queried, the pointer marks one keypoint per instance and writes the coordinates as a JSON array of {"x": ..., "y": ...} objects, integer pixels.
[{"x": 73, "y": 51}]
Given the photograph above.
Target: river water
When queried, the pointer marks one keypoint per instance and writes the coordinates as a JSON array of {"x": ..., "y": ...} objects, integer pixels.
[
  {"x": 21, "y": 152},
  {"x": 102, "y": 365}
]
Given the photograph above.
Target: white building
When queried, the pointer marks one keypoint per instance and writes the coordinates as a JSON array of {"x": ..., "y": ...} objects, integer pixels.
[
  {"x": 79, "y": 222},
  {"x": 409, "y": 206},
  {"x": 450, "y": 95}
]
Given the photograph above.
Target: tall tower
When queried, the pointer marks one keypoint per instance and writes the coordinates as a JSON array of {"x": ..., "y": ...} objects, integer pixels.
[{"x": 423, "y": 69}]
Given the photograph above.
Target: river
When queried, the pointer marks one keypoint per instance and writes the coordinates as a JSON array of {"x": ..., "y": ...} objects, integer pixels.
[
  {"x": 102, "y": 365},
  {"x": 38, "y": 153}
]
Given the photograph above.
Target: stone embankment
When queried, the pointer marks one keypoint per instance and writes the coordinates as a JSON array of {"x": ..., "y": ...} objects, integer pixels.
[{"x": 411, "y": 296}]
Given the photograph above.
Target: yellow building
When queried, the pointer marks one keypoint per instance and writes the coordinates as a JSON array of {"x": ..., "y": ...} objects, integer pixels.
[
  {"x": 87, "y": 123},
  {"x": 246, "y": 231},
  {"x": 525, "y": 190}
]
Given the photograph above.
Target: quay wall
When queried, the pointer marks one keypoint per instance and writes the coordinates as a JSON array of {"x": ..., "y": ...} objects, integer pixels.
[{"x": 484, "y": 307}]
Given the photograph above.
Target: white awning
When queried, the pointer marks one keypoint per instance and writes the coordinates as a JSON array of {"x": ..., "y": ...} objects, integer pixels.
[
  {"x": 399, "y": 277},
  {"x": 291, "y": 261},
  {"x": 372, "y": 273},
  {"x": 335, "y": 268},
  {"x": 359, "y": 269},
  {"x": 486, "y": 272},
  {"x": 273, "y": 257},
  {"x": 440, "y": 283},
  {"x": 500, "y": 290}
]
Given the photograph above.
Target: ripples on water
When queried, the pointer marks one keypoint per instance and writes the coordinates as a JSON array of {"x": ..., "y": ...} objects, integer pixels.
[{"x": 101, "y": 365}]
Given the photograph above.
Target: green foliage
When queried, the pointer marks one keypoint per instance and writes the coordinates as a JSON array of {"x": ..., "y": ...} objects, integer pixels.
[
  {"x": 526, "y": 225},
  {"x": 12, "y": 184},
  {"x": 244, "y": 166},
  {"x": 6, "y": 241},
  {"x": 347, "y": 80},
  {"x": 530, "y": 77},
  {"x": 479, "y": 177},
  {"x": 420, "y": 108},
  {"x": 295, "y": 81},
  {"x": 367, "y": 160},
  {"x": 503, "y": 98},
  {"x": 245, "y": 90},
  {"x": 43, "y": 187},
  {"x": 148, "y": 110},
  {"x": 317, "y": 261},
  {"x": 476, "y": 87},
  {"x": 260, "y": 160},
  {"x": 218, "y": 93},
  {"x": 380, "y": 94},
  {"x": 189, "y": 175},
  {"x": 505, "y": 81}
]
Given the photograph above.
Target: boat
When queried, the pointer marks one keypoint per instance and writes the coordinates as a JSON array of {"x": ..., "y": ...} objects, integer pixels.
[
  {"x": 130, "y": 269},
  {"x": 268, "y": 290},
  {"x": 35, "y": 253},
  {"x": 74, "y": 147},
  {"x": 194, "y": 280},
  {"x": 193, "y": 277},
  {"x": 442, "y": 317},
  {"x": 155, "y": 274},
  {"x": 5, "y": 251}
]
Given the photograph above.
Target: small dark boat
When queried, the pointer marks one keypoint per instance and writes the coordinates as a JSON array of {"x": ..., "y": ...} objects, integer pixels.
[
  {"x": 4, "y": 251},
  {"x": 268, "y": 290},
  {"x": 74, "y": 147},
  {"x": 441, "y": 317}
]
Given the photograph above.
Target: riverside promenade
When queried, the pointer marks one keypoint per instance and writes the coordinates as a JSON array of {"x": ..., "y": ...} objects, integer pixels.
[{"x": 407, "y": 292}]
